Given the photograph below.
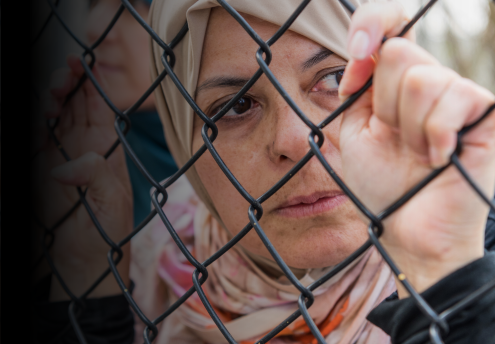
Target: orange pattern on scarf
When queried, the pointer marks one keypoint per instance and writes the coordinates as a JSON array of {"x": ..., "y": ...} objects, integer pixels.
[{"x": 326, "y": 327}]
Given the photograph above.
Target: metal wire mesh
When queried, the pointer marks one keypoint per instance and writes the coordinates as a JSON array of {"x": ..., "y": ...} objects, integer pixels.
[{"x": 439, "y": 322}]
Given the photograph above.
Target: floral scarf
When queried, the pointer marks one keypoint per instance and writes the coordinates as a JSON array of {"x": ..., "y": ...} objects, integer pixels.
[{"x": 248, "y": 301}]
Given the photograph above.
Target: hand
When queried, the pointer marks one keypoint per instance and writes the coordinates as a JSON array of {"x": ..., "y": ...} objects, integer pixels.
[
  {"x": 401, "y": 129},
  {"x": 86, "y": 131}
]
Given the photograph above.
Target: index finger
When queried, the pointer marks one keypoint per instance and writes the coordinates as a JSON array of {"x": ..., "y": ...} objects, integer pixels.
[
  {"x": 369, "y": 24},
  {"x": 373, "y": 21}
]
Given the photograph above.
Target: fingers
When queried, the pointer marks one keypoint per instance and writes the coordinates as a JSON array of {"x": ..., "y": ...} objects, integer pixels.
[
  {"x": 90, "y": 170},
  {"x": 370, "y": 23},
  {"x": 357, "y": 72},
  {"x": 462, "y": 103},
  {"x": 61, "y": 82},
  {"x": 85, "y": 107},
  {"x": 412, "y": 93},
  {"x": 435, "y": 103},
  {"x": 74, "y": 63},
  {"x": 397, "y": 56},
  {"x": 96, "y": 111},
  {"x": 420, "y": 89},
  {"x": 60, "y": 85}
]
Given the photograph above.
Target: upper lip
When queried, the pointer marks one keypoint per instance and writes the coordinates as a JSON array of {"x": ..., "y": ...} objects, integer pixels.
[{"x": 310, "y": 199}]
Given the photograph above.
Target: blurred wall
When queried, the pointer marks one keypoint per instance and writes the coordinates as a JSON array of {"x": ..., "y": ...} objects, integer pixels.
[{"x": 461, "y": 35}]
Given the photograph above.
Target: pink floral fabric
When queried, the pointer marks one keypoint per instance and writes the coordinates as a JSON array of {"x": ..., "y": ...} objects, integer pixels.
[{"x": 248, "y": 301}]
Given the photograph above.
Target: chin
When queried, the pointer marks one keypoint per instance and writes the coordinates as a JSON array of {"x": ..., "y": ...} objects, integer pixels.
[{"x": 324, "y": 247}]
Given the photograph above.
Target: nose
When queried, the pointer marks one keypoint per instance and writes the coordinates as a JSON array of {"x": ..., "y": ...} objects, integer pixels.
[
  {"x": 290, "y": 142},
  {"x": 98, "y": 20}
]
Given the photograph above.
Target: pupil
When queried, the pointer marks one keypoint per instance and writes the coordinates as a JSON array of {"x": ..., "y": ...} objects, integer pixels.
[
  {"x": 243, "y": 105},
  {"x": 338, "y": 76}
]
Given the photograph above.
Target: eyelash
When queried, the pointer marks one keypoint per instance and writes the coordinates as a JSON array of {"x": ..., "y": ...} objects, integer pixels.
[
  {"x": 215, "y": 110},
  {"x": 234, "y": 118},
  {"x": 337, "y": 73}
]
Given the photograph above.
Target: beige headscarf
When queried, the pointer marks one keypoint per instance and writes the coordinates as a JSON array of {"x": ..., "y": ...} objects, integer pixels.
[
  {"x": 325, "y": 21},
  {"x": 249, "y": 301}
]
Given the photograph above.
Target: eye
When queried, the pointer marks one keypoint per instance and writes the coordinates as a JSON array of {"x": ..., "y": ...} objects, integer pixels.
[
  {"x": 242, "y": 106},
  {"x": 329, "y": 82}
]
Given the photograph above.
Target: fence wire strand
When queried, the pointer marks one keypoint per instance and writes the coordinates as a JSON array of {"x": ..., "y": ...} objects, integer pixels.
[{"x": 439, "y": 322}]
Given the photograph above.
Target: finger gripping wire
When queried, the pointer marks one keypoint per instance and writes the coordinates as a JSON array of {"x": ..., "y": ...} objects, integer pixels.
[{"x": 438, "y": 328}]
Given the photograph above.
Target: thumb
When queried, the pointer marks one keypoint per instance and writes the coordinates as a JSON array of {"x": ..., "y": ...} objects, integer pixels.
[{"x": 89, "y": 170}]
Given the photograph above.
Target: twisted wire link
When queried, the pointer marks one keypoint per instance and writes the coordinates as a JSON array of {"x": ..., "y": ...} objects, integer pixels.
[{"x": 439, "y": 325}]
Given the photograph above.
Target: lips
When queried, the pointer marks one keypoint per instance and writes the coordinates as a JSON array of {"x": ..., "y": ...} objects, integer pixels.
[{"x": 313, "y": 204}]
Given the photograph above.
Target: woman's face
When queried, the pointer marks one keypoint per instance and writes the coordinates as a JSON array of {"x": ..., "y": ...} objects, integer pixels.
[
  {"x": 309, "y": 220},
  {"x": 123, "y": 57}
]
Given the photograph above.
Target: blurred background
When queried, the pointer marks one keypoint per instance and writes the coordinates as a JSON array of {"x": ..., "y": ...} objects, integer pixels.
[{"x": 460, "y": 33}]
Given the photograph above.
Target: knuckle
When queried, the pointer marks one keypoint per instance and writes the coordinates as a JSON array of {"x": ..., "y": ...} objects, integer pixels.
[
  {"x": 395, "y": 50},
  {"x": 434, "y": 127},
  {"x": 469, "y": 88},
  {"x": 463, "y": 87},
  {"x": 93, "y": 160},
  {"x": 416, "y": 80},
  {"x": 420, "y": 80}
]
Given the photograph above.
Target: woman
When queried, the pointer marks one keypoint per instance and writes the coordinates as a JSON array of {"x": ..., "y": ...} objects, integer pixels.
[
  {"x": 122, "y": 67},
  {"x": 87, "y": 125},
  {"x": 397, "y": 132}
]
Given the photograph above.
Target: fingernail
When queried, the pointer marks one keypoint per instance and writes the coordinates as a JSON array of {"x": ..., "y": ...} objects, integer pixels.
[{"x": 359, "y": 44}]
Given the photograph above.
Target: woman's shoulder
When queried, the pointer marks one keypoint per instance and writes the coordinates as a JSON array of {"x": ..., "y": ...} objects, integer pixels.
[{"x": 148, "y": 245}]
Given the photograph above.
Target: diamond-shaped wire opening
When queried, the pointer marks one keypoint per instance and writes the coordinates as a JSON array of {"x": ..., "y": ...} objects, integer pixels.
[{"x": 439, "y": 324}]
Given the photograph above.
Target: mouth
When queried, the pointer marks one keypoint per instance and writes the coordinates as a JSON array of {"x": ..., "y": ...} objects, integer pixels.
[{"x": 311, "y": 205}]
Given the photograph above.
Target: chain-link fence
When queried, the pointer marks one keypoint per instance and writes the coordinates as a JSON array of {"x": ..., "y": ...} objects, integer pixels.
[{"x": 439, "y": 322}]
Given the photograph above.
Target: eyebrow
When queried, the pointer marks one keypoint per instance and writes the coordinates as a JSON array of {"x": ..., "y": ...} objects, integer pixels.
[
  {"x": 228, "y": 81},
  {"x": 222, "y": 81},
  {"x": 321, "y": 55}
]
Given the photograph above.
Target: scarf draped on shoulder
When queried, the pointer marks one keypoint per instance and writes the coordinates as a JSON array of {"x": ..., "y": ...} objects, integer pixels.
[{"x": 249, "y": 301}]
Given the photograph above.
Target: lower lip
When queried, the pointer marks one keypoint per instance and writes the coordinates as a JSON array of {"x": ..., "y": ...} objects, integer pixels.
[{"x": 310, "y": 209}]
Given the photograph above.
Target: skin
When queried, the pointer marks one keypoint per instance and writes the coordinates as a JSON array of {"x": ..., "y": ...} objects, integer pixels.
[
  {"x": 123, "y": 57},
  {"x": 396, "y": 133},
  {"x": 272, "y": 139},
  {"x": 382, "y": 146},
  {"x": 86, "y": 131}
]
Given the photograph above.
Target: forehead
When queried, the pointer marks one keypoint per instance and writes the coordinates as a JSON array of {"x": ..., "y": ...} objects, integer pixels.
[{"x": 228, "y": 48}]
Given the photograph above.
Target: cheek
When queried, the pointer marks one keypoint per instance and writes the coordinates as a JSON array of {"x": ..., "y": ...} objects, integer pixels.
[{"x": 231, "y": 206}]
